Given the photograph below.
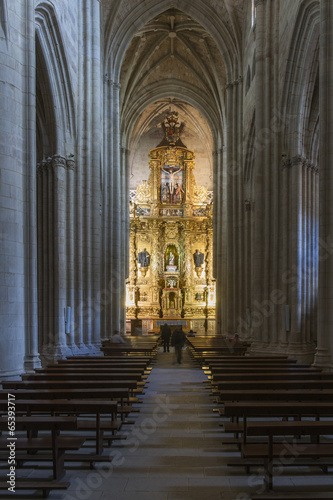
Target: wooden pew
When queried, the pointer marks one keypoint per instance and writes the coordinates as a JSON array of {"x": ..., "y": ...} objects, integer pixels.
[
  {"x": 116, "y": 359},
  {"x": 257, "y": 359},
  {"x": 123, "y": 395},
  {"x": 85, "y": 376},
  {"x": 69, "y": 384},
  {"x": 75, "y": 407},
  {"x": 56, "y": 443},
  {"x": 254, "y": 365},
  {"x": 278, "y": 395},
  {"x": 295, "y": 496},
  {"x": 273, "y": 385},
  {"x": 239, "y": 370},
  {"x": 92, "y": 369},
  {"x": 299, "y": 409},
  {"x": 77, "y": 393},
  {"x": 273, "y": 453},
  {"x": 279, "y": 375},
  {"x": 243, "y": 360},
  {"x": 113, "y": 349},
  {"x": 36, "y": 484},
  {"x": 256, "y": 409}
]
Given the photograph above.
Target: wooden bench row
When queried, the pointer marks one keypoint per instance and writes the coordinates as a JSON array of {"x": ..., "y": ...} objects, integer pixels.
[
  {"x": 253, "y": 392},
  {"x": 80, "y": 388}
]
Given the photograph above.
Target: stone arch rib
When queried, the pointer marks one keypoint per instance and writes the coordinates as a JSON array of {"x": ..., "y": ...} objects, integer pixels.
[
  {"x": 3, "y": 20},
  {"x": 299, "y": 75},
  {"x": 53, "y": 53},
  {"x": 250, "y": 152},
  {"x": 179, "y": 91},
  {"x": 117, "y": 43}
]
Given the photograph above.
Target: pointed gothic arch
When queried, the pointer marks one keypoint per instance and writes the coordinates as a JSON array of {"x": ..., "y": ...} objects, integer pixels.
[
  {"x": 56, "y": 94},
  {"x": 180, "y": 91},
  {"x": 301, "y": 76}
]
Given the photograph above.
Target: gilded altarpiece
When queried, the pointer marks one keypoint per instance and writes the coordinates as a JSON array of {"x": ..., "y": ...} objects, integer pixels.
[{"x": 171, "y": 240}]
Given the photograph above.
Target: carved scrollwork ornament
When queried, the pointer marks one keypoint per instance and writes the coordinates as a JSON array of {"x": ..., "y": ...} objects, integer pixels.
[
  {"x": 200, "y": 194},
  {"x": 171, "y": 231},
  {"x": 58, "y": 161},
  {"x": 143, "y": 192}
]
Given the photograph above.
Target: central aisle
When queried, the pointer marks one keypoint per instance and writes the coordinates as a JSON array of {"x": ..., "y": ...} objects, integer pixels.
[
  {"x": 177, "y": 447},
  {"x": 173, "y": 451}
]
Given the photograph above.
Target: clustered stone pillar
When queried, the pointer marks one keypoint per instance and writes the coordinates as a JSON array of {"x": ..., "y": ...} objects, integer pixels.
[
  {"x": 325, "y": 290},
  {"x": 259, "y": 325},
  {"x": 88, "y": 299},
  {"x": 233, "y": 274},
  {"x": 31, "y": 359},
  {"x": 265, "y": 307},
  {"x": 115, "y": 216},
  {"x": 219, "y": 229},
  {"x": 52, "y": 258},
  {"x": 300, "y": 273},
  {"x": 18, "y": 241}
]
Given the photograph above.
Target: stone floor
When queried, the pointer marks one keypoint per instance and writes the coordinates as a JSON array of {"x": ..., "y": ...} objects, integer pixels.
[{"x": 174, "y": 450}]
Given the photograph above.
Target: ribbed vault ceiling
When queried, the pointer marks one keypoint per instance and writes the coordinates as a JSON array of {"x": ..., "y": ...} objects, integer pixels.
[{"x": 173, "y": 62}]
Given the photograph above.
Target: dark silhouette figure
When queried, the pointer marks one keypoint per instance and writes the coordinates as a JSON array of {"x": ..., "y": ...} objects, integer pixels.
[
  {"x": 178, "y": 341},
  {"x": 166, "y": 334}
]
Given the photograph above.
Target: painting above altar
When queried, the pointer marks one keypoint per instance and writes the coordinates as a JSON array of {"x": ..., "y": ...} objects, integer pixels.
[{"x": 171, "y": 184}]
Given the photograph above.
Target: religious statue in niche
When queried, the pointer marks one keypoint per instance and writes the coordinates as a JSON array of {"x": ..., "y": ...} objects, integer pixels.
[
  {"x": 171, "y": 258},
  {"x": 198, "y": 258},
  {"x": 177, "y": 195},
  {"x": 143, "y": 258}
]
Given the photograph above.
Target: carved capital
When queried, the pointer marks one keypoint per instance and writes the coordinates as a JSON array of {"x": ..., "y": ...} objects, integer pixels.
[
  {"x": 286, "y": 162},
  {"x": 230, "y": 85},
  {"x": 299, "y": 160},
  {"x": 42, "y": 167},
  {"x": 70, "y": 164},
  {"x": 57, "y": 161}
]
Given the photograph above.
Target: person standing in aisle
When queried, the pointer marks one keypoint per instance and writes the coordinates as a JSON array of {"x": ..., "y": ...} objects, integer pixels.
[
  {"x": 166, "y": 334},
  {"x": 178, "y": 341}
]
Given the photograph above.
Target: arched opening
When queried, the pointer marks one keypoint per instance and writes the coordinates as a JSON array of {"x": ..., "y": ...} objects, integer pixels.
[{"x": 165, "y": 72}]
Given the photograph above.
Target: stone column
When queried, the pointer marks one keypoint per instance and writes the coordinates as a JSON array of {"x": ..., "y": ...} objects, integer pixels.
[
  {"x": 117, "y": 284},
  {"x": 95, "y": 167},
  {"x": 18, "y": 240},
  {"x": 325, "y": 286},
  {"x": 296, "y": 233},
  {"x": 220, "y": 231},
  {"x": 229, "y": 295},
  {"x": 265, "y": 305},
  {"x": 259, "y": 181},
  {"x": 70, "y": 243},
  {"x": 53, "y": 258},
  {"x": 31, "y": 359}
]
